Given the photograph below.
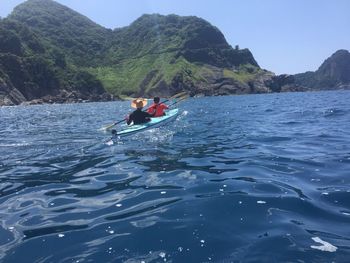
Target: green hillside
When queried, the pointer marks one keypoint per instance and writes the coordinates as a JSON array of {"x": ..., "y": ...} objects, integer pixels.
[
  {"x": 154, "y": 51},
  {"x": 52, "y": 53},
  {"x": 31, "y": 68},
  {"x": 81, "y": 40}
]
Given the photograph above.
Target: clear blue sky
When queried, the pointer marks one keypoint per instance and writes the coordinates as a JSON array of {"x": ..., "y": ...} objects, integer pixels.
[{"x": 285, "y": 36}]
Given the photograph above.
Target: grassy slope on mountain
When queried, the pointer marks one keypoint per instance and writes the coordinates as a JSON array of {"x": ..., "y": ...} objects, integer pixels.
[
  {"x": 155, "y": 49},
  {"x": 192, "y": 37},
  {"x": 145, "y": 73}
]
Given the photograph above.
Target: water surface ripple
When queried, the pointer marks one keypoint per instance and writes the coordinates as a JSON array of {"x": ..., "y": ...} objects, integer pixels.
[{"x": 258, "y": 178}]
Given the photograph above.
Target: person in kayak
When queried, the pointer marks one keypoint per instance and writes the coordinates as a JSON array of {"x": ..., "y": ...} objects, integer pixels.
[
  {"x": 157, "y": 109},
  {"x": 138, "y": 116}
]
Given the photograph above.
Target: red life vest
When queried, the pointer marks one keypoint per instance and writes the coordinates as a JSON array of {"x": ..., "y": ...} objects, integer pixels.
[{"x": 158, "y": 109}]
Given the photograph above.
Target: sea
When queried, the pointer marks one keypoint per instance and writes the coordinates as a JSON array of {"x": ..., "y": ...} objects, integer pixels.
[{"x": 248, "y": 178}]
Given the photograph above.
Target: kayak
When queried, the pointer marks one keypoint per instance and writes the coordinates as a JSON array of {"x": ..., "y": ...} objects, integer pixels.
[{"x": 155, "y": 122}]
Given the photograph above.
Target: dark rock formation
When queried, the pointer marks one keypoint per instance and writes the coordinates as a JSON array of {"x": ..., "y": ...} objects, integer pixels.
[
  {"x": 334, "y": 73},
  {"x": 9, "y": 95},
  {"x": 283, "y": 83}
]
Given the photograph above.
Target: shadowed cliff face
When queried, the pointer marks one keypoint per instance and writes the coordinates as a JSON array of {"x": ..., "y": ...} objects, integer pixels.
[
  {"x": 337, "y": 67},
  {"x": 9, "y": 95},
  {"x": 334, "y": 73},
  {"x": 32, "y": 70}
]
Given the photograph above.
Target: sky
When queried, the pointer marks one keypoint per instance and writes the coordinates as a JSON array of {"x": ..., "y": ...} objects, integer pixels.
[{"x": 284, "y": 36}]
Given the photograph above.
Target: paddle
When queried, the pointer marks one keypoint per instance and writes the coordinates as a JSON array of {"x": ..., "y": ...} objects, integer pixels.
[
  {"x": 180, "y": 96},
  {"x": 179, "y": 100}
]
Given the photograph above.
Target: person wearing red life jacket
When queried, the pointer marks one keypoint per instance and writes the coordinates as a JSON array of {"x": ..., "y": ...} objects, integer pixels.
[{"x": 157, "y": 109}]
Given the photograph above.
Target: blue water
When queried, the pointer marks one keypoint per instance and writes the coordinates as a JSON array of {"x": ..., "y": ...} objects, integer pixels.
[{"x": 254, "y": 178}]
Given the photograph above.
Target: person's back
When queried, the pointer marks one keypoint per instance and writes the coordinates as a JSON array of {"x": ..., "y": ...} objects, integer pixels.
[
  {"x": 157, "y": 109},
  {"x": 138, "y": 116}
]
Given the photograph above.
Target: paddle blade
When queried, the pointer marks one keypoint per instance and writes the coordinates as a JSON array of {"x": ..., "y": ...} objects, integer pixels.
[
  {"x": 180, "y": 99},
  {"x": 107, "y": 127},
  {"x": 183, "y": 97},
  {"x": 179, "y": 95}
]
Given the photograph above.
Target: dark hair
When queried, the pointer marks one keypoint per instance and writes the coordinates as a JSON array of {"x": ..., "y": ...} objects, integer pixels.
[{"x": 156, "y": 99}]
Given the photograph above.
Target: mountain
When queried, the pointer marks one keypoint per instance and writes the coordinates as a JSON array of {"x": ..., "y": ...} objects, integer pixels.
[
  {"x": 50, "y": 53},
  {"x": 165, "y": 54},
  {"x": 31, "y": 69},
  {"x": 78, "y": 37},
  {"x": 191, "y": 37},
  {"x": 334, "y": 73}
]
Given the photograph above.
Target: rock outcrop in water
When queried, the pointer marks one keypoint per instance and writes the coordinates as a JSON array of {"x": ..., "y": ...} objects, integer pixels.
[{"x": 50, "y": 53}]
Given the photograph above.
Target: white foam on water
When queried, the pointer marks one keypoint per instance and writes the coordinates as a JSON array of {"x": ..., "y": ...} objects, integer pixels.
[
  {"x": 110, "y": 142},
  {"x": 14, "y": 144},
  {"x": 158, "y": 135},
  {"x": 315, "y": 180},
  {"x": 187, "y": 175},
  {"x": 145, "y": 222},
  {"x": 325, "y": 245}
]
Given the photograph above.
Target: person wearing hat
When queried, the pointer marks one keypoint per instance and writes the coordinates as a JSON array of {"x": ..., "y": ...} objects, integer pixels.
[
  {"x": 157, "y": 109},
  {"x": 138, "y": 116}
]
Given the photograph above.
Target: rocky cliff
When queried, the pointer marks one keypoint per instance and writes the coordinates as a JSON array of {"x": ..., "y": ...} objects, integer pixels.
[{"x": 334, "y": 73}]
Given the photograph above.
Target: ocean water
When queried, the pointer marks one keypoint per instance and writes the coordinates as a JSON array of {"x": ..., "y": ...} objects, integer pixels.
[{"x": 256, "y": 178}]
